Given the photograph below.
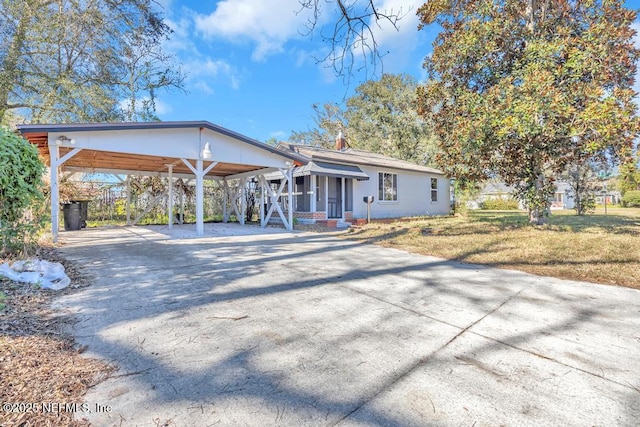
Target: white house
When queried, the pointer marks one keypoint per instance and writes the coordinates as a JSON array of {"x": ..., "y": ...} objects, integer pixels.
[{"x": 331, "y": 186}]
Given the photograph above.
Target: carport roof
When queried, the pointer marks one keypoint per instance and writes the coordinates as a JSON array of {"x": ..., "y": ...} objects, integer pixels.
[{"x": 38, "y": 134}]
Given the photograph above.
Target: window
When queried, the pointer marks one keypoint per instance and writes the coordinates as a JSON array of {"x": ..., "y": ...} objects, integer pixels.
[
  {"x": 434, "y": 189},
  {"x": 387, "y": 187}
]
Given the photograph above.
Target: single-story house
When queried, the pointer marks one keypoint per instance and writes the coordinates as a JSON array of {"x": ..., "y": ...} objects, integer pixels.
[
  {"x": 562, "y": 197},
  {"x": 493, "y": 190},
  {"x": 333, "y": 184}
]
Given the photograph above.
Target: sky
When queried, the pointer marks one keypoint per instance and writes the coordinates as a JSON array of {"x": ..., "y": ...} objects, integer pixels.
[{"x": 251, "y": 68}]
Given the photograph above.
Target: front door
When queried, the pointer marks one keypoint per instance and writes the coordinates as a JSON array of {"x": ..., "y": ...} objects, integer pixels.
[{"x": 334, "y": 208}]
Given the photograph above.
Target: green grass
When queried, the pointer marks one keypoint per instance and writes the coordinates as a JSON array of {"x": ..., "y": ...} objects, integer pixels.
[{"x": 596, "y": 248}]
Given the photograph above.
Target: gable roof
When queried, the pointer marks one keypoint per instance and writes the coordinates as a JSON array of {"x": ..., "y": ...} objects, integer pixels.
[{"x": 354, "y": 156}]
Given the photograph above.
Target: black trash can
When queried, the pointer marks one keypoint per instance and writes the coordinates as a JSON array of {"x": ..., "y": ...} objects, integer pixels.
[
  {"x": 84, "y": 208},
  {"x": 72, "y": 216}
]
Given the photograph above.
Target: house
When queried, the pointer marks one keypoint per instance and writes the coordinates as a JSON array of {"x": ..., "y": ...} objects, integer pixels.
[
  {"x": 332, "y": 185},
  {"x": 562, "y": 198}
]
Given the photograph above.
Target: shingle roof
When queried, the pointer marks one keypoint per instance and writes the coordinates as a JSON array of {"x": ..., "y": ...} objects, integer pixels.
[{"x": 355, "y": 157}]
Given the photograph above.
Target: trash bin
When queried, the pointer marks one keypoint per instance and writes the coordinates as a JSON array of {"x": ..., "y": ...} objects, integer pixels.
[
  {"x": 72, "y": 216},
  {"x": 84, "y": 208}
]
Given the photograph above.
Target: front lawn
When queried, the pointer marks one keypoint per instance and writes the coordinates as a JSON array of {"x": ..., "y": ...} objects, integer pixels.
[{"x": 596, "y": 248}]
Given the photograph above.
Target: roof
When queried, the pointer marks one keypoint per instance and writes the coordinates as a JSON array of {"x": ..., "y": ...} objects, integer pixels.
[
  {"x": 146, "y": 158},
  {"x": 329, "y": 169},
  {"x": 354, "y": 157},
  {"x": 37, "y": 133}
]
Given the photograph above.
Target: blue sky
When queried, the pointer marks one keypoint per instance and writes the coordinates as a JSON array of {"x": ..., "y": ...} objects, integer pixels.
[{"x": 251, "y": 70}]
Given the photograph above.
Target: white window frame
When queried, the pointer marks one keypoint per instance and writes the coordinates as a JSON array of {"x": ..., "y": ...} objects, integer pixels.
[
  {"x": 381, "y": 179},
  {"x": 434, "y": 191}
]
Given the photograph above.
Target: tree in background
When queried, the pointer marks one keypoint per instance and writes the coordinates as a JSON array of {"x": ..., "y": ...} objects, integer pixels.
[
  {"x": 380, "y": 117},
  {"x": 76, "y": 60},
  {"x": 583, "y": 184},
  {"x": 629, "y": 174},
  {"x": 329, "y": 120},
  {"x": 352, "y": 36},
  {"x": 524, "y": 89},
  {"x": 20, "y": 188}
]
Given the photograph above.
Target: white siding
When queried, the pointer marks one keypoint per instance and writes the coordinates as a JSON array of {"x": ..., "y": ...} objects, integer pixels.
[{"x": 414, "y": 195}]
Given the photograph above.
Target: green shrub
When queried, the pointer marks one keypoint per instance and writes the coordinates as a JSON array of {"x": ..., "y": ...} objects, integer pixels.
[
  {"x": 21, "y": 199},
  {"x": 631, "y": 199},
  {"x": 500, "y": 204}
]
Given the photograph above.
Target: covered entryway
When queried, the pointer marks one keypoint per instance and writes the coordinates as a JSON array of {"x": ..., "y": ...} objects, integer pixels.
[{"x": 195, "y": 149}]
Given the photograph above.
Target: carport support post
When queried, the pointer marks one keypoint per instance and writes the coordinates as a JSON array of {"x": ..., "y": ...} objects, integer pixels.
[
  {"x": 199, "y": 199},
  {"x": 262, "y": 182},
  {"x": 128, "y": 199},
  {"x": 199, "y": 173},
  {"x": 56, "y": 162},
  {"x": 290, "y": 197},
  {"x": 170, "y": 203},
  {"x": 243, "y": 200},
  {"x": 225, "y": 200}
]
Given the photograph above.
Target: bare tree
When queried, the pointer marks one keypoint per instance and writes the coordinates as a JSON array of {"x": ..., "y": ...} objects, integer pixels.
[{"x": 351, "y": 37}]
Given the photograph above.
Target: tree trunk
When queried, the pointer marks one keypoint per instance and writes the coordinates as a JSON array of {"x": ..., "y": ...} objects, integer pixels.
[{"x": 536, "y": 217}]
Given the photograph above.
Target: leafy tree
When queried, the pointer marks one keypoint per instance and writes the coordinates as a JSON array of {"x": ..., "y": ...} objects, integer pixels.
[
  {"x": 329, "y": 120},
  {"x": 629, "y": 174},
  {"x": 74, "y": 60},
  {"x": 523, "y": 89},
  {"x": 20, "y": 188},
  {"x": 382, "y": 117},
  {"x": 583, "y": 184}
]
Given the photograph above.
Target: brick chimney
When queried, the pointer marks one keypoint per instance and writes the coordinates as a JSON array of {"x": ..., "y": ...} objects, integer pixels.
[{"x": 341, "y": 143}]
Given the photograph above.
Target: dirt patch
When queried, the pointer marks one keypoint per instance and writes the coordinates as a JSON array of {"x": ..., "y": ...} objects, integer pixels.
[{"x": 43, "y": 374}]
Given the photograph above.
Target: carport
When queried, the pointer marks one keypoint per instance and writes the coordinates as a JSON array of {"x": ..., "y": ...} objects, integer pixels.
[{"x": 186, "y": 149}]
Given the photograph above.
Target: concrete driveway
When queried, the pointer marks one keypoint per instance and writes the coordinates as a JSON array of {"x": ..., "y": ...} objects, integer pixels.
[{"x": 252, "y": 327}]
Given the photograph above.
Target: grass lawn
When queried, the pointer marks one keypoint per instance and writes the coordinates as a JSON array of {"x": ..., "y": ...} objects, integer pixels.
[{"x": 595, "y": 248}]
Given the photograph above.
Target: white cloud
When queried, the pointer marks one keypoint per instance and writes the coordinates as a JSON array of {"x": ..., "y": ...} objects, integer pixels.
[
  {"x": 397, "y": 46},
  {"x": 202, "y": 71},
  {"x": 268, "y": 24}
]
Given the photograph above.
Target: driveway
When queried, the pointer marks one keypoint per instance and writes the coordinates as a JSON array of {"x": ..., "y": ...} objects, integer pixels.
[{"x": 264, "y": 327}]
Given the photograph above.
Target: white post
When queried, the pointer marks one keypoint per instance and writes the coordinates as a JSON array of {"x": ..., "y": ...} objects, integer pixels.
[
  {"x": 262, "y": 182},
  {"x": 243, "y": 200},
  {"x": 313, "y": 195},
  {"x": 326, "y": 197},
  {"x": 181, "y": 221},
  {"x": 225, "y": 200},
  {"x": 290, "y": 198},
  {"x": 170, "y": 197},
  {"x": 342, "y": 197},
  {"x": 128, "y": 204},
  {"x": 54, "y": 154},
  {"x": 199, "y": 199}
]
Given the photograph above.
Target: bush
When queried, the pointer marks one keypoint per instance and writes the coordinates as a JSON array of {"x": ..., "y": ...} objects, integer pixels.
[
  {"x": 20, "y": 189},
  {"x": 631, "y": 199},
  {"x": 500, "y": 204}
]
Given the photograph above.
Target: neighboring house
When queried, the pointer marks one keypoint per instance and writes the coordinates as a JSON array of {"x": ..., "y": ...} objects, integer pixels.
[
  {"x": 332, "y": 185},
  {"x": 562, "y": 199}
]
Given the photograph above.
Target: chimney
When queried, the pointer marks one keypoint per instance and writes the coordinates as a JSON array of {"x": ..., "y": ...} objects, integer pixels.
[{"x": 341, "y": 144}]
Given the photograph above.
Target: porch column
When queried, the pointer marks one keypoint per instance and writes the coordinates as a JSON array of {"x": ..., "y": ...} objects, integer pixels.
[
  {"x": 342, "y": 197},
  {"x": 313, "y": 195}
]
